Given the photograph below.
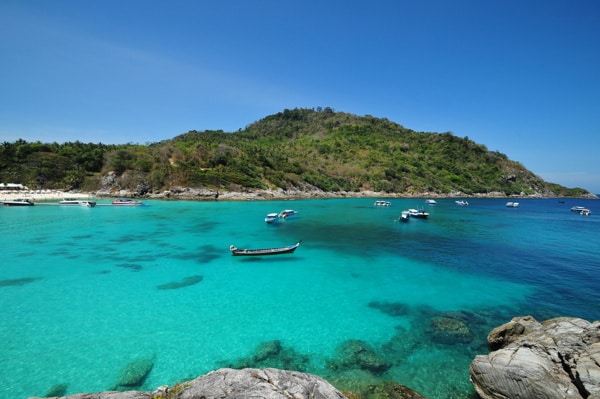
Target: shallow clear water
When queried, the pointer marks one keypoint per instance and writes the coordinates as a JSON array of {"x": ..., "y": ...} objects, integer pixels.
[{"x": 85, "y": 291}]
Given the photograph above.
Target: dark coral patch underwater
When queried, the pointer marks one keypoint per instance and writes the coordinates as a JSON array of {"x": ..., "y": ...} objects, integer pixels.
[
  {"x": 16, "y": 282},
  {"x": 185, "y": 282},
  {"x": 394, "y": 309}
]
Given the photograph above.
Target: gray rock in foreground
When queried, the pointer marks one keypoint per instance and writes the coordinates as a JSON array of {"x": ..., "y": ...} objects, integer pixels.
[
  {"x": 559, "y": 358},
  {"x": 230, "y": 383}
]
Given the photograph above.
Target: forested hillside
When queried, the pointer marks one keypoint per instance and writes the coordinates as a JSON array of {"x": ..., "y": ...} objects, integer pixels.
[{"x": 299, "y": 149}]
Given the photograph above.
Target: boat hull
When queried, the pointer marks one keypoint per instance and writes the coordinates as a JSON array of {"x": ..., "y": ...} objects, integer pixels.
[
  {"x": 18, "y": 203},
  {"x": 127, "y": 202},
  {"x": 272, "y": 218},
  {"x": 418, "y": 214},
  {"x": 77, "y": 203},
  {"x": 264, "y": 252}
]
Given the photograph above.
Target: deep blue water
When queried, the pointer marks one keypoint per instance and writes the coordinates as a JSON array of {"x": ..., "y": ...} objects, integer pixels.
[{"x": 86, "y": 291}]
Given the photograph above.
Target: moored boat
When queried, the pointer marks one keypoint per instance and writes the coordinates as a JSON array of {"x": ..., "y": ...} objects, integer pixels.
[
  {"x": 461, "y": 203},
  {"x": 73, "y": 201},
  {"x": 18, "y": 202},
  {"x": 382, "y": 203},
  {"x": 272, "y": 218},
  {"x": 582, "y": 210},
  {"x": 264, "y": 251},
  {"x": 404, "y": 216},
  {"x": 69, "y": 201},
  {"x": 511, "y": 204},
  {"x": 127, "y": 201},
  {"x": 431, "y": 202},
  {"x": 286, "y": 213},
  {"x": 418, "y": 213}
]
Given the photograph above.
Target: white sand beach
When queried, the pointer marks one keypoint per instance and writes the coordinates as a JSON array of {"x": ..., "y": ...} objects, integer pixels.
[{"x": 40, "y": 195}]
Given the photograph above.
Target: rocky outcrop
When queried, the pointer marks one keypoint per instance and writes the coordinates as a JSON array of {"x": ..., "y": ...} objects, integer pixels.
[
  {"x": 229, "y": 383},
  {"x": 559, "y": 358}
]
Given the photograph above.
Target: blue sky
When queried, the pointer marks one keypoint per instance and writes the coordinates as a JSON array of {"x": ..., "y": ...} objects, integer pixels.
[{"x": 520, "y": 77}]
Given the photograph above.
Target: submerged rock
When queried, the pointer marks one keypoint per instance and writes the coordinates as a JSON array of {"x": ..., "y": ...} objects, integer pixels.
[
  {"x": 134, "y": 374},
  {"x": 56, "y": 390},
  {"x": 559, "y": 358},
  {"x": 391, "y": 390},
  {"x": 401, "y": 345},
  {"x": 450, "y": 330},
  {"x": 185, "y": 282},
  {"x": 394, "y": 309},
  {"x": 271, "y": 354},
  {"x": 356, "y": 354},
  {"x": 17, "y": 282}
]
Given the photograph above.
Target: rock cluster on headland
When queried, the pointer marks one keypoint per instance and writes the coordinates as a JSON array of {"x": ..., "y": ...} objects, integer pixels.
[{"x": 558, "y": 358}]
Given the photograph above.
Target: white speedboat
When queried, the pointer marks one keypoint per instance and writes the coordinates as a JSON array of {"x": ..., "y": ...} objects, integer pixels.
[
  {"x": 286, "y": 213},
  {"x": 18, "y": 202},
  {"x": 431, "y": 202},
  {"x": 127, "y": 202},
  {"x": 382, "y": 203},
  {"x": 511, "y": 204},
  {"x": 461, "y": 203},
  {"x": 582, "y": 210},
  {"x": 404, "y": 216},
  {"x": 69, "y": 201},
  {"x": 73, "y": 201},
  {"x": 418, "y": 213},
  {"x": 272, "y": 218}
]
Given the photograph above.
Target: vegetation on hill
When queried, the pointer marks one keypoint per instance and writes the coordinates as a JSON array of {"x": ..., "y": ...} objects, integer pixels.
[{"x": 299, "y": 149}]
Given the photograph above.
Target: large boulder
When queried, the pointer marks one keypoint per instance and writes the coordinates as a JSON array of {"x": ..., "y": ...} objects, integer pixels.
[
  {"x": 229, "y": 383},
  {"x": 260, "y": 383},
  {"x": 558, "y": 358}
]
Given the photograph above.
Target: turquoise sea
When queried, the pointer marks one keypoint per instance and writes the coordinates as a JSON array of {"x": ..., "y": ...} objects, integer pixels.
[{"x": 84, "y": 292}]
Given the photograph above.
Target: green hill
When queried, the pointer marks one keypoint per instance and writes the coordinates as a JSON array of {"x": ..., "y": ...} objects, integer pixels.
[{"x": 299, "y": 149}]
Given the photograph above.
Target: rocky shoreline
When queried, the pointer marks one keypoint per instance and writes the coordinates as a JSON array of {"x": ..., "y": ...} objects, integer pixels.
[
  {"x": 557, "y": 358},
  {"x": 187, "y": 193},
  {"x": 206, "y": 194}
]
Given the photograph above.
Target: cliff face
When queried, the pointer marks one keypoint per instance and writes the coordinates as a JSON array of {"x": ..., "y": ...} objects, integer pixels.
[{"x": 559, "y": 358}]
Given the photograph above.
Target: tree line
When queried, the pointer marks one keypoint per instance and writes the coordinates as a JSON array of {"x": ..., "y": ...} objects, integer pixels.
[{"x": 300, "y": 149}]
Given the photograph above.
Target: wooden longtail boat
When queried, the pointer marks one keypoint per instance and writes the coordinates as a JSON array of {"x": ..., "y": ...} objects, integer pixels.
[{"x": 265, "y": 251}]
